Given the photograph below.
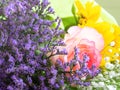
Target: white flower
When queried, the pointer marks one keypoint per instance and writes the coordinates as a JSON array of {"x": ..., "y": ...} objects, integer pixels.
[
  {"x": 106, "y": 72},
  {"x": 94, "y": 84},
  {"x": 110, "y": 87},
  {"x": 100, "y": 75},
  {"x": 112, "y": 43},
  {"x": 101, "y": 84},
  {"x": 107, "y": 58},
  {"x": 109, "y": 66},
  {"x": 112, "y": 74}
]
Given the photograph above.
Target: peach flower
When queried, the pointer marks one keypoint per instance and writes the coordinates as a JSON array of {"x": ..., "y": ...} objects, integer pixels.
[{"x": 87, "y": 40}]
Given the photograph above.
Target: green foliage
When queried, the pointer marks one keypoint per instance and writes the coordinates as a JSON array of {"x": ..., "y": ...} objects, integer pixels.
[{"x": 68, "y": 21}]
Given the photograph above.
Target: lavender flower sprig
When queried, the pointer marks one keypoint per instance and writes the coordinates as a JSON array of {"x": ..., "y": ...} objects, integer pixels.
[
  {"x": 26, "y": 38},
  {"x": 80, "y": 77}
]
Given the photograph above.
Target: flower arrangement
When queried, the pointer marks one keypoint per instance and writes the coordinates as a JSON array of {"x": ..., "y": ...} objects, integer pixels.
[{"x": 42, "y": 48}]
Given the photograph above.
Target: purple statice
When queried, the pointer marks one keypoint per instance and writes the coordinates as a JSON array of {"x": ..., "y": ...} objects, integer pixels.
[
  {"x": 27, "y": 35},
  {"x": 80, "y": 76},
  {"x": 28, "y": 39}
]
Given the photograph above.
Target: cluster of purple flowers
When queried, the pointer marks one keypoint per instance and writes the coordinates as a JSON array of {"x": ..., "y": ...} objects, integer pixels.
[
  {"x": 80, "y": 76},
  {"x": 27, "y": 35}
]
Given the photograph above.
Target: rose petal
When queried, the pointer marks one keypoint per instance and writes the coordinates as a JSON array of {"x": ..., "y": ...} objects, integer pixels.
[
  {"x": 92, "y": 35},
  {"x": 85, "y": 33}
]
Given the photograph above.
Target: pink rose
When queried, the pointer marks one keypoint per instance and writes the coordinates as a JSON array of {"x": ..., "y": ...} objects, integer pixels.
[{"x": 87, "y": 40}]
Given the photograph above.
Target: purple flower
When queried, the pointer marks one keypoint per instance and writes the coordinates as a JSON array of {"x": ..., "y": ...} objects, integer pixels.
[
  {"x": 1, "y": 61},
  {"x": 52, "y": 80},
  {"x": 10, "y": 88},
  {"x": 57, "y": 86},
  {"x": 26, "y": 37},
  {"x": 25, "y": 32},
  {"x": 53, "y": 70}
]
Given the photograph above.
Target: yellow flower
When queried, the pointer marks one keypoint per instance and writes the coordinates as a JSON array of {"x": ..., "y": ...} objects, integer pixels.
[
  {"x": 88, "y": 13},
  {"x": 111, "y": 52}
]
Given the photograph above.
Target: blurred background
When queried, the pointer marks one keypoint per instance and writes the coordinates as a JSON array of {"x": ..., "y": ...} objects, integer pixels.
[{"x": 112, "y": 6}]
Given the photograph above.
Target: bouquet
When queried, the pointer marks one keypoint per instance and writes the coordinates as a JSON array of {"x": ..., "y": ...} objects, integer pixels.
[{"x": 42, "y": 48}]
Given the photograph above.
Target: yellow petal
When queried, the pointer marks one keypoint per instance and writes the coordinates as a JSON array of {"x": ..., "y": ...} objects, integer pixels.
[{"x": 93, "y": 11}]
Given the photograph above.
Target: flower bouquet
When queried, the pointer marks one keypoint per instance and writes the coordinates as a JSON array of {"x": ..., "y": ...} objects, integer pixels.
[{"x": 45, "y": 45}]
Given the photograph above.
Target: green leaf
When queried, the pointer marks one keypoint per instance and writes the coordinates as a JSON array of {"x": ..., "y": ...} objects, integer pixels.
[
  {"x": 74, "y": 13},
  {"x": 68, "y": 21}
]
